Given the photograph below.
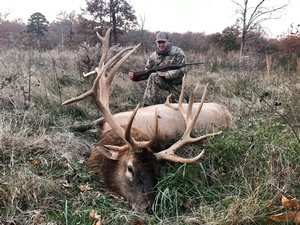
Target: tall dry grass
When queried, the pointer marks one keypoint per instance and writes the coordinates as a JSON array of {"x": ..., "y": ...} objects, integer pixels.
[{"x": 43, "y": 160}]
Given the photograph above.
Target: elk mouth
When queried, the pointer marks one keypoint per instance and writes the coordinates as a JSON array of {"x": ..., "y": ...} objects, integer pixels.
[{"x": 143, "y": 204}]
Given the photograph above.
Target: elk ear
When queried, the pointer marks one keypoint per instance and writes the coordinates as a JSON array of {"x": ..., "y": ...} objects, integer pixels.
[{"x": 108, "y": 153}]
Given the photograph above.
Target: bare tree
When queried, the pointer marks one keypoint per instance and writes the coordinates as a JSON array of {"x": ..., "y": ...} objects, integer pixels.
[
  {"x": 141, "y": 26},
  {"x": 251, "y": 15},
  {"x": 3, "y": 16},
  {"x": 66, "y": 22},
  {"x": 116, "y": 13}
]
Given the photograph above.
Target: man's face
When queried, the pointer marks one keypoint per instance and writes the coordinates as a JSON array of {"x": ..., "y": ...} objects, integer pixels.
[{"x": 161, "y": 45}]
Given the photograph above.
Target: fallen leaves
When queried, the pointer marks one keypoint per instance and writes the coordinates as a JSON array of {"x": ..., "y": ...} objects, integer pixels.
[
  {"x": 290, "y": 202},
  {"x": 95, "y": 216},
  {"x": 288, "y": 215},
  {"x": 85, "y": 187},
  {"x": 82, "y": 187}
]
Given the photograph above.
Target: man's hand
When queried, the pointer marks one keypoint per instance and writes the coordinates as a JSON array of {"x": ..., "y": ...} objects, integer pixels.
[
  {"x": 131, "y": 74},
  {"x": 160, "y": 73}
]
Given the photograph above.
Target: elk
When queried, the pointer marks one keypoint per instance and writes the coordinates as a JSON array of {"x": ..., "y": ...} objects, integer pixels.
[
  {"x": 123, "y": 157},
  {"x": 170, "y": 121}
]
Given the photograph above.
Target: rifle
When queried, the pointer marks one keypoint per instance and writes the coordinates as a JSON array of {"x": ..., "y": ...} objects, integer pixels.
[{"x": 144, "y": 74}]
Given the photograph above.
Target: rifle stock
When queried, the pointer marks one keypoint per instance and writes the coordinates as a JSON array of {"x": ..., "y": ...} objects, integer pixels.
[{"x": 144, "y": 74}]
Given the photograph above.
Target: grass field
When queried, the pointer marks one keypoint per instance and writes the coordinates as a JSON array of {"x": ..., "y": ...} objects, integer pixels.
[{"x": 44, "y": 178}]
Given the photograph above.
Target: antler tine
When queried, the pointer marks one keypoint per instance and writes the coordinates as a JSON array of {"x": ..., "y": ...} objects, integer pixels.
[
  {"x": 179, "y": 106},
  {"x": 117, "y": 56},
  {"x": 169, "y": 154},
  {"x": 181, "y": 96},
  {"x": 155, "y": 132},
  {"x": 190, "y": 120},
  {"x": 106, "y": 81},
  {"x": 152, "y": 141},
  {"x": 174, "y": 158},
  {"x": 128, "y": 138},
  {"x": 92, "y": 92},
  {"x": 105, "y": 42},
  {"x": 140, "y": 144},
  {"x": 120, "y": 62},
  {"x": 89, "y": 73}
]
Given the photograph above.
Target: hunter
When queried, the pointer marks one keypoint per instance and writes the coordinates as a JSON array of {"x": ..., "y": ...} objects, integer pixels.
[{"x": 171, "y": 80}]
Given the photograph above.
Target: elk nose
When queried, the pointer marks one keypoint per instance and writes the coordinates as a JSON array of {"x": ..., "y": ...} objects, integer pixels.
[{"x": 149, "y": 210}]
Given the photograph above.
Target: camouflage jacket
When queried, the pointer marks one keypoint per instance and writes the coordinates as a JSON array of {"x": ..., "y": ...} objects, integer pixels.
[{"x": 174, "y": 56}]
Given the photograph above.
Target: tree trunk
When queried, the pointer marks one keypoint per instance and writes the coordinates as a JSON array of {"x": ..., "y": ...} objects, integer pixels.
[
  {"x": 242, "y": 48},
  {"x": 114, "y": 21}
]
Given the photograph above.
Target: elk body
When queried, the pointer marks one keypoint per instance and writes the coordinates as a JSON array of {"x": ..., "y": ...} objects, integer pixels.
[
  {"x": 123, "y": 157},
  {"x": 170, "y": 122}
]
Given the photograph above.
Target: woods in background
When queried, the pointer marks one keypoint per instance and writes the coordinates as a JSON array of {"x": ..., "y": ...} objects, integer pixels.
[{"x": 71, "y": 31}]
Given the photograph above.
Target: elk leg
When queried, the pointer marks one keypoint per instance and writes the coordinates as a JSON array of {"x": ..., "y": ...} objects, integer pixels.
[{"x": 84, "y": 127}]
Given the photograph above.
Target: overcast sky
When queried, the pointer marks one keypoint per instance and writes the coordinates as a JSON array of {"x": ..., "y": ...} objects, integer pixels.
[{"x": 209, "y": 16}]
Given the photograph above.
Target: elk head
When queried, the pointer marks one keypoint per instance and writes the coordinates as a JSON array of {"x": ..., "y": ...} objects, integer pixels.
[{"x": 123, "y": 158}]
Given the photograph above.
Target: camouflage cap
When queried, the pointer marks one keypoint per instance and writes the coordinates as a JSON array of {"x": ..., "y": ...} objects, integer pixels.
[{"x": 161, "y": 36}]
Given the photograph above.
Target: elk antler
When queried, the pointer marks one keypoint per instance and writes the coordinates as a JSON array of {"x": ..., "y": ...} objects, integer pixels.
[
  {"x": 169, "y": 154},
  {"x": 103, "y": 82}
]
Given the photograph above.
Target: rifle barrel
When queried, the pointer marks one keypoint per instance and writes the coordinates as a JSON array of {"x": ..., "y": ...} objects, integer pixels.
[{"x": 144, "y": 74}]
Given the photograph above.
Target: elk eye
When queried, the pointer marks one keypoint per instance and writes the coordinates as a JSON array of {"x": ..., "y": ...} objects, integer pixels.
[{"x": 130, "y": 169}]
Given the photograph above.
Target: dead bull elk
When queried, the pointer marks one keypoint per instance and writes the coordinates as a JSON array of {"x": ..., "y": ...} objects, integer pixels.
[{"x": 122, "y": 158}]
